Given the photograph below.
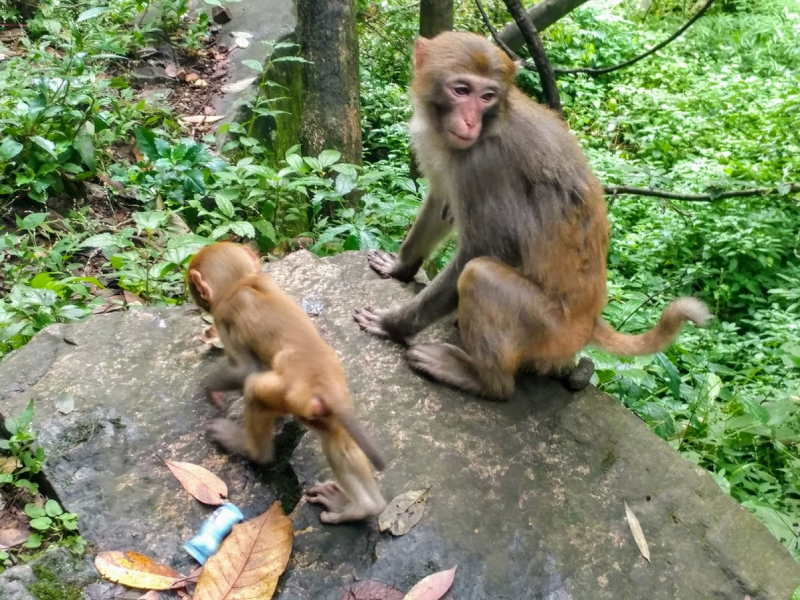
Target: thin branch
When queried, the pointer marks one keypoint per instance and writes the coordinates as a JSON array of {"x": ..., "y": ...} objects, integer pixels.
[
  {"x": 536, "y": 49},
  {"x": 615, "y": 190},
  {"x": 635, "y": 59},
  {"x": 488, "y": 22}
]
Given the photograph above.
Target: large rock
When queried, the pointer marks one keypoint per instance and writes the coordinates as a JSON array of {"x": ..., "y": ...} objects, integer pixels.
[{"x": 526, "y": 496}]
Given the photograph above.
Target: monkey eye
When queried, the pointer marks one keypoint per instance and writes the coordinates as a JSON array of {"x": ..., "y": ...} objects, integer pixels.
[
  {"x": 489, "y": 96},
  {"x": 461, "y": 90}
]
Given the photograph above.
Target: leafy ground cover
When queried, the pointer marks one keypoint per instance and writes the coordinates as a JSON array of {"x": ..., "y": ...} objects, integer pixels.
[{"x": 716, "y": 109}]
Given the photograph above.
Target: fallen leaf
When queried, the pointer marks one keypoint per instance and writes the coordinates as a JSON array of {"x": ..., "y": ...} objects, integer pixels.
[
  {"x": 151, "y": 595},
  {"x": 370, "y": 589},
  {"x": 199, "y": 482},
  {"x": 210, "y": 336},
  {"x": 190, "y": 77},
  {"x": 203, "y": 118},
  {"x": 638, "y": 534},
  {"x": 65, "y": 403},
  {"x": 242, "y": 42},
  {"x": 402, "y": 513},
  {"x": 237, "y": 86},
  {"x": 131, "y": 298},
  {"x": 250, "y": 560},
  {"x": 432, "y": 587},
  {"x": 9, "y": 464},
  {"x": 241, "y": 34},
  {"x": 12, "y": 537},
  {"x": 183, "y": 595},
  {"x": 135, "y": 570},
  {"x": 190, "y": 578}
]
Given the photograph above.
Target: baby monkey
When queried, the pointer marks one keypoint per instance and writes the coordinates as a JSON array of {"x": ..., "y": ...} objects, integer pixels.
[{"x": 285, "y": 367}]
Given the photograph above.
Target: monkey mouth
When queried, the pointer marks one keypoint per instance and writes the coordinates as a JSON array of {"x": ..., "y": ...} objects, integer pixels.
[{"x": 459, "y": 141}]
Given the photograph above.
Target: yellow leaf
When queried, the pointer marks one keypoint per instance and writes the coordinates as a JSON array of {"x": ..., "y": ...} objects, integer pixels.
[
  {"x": 638, "y": 534},
  {"x": 199, "y": 482},
  {"x": 135, "y": 570},
  {"x": 250, "y": 560},
  {"x": 432, "y": 587},
  {"x": 9, "y": 464}
]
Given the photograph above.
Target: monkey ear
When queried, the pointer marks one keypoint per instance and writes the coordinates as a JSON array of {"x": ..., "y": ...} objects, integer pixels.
[
  {"x": 420, "y": 52},
  {"x": 253, "y": 256},
  {"x": 200, "y": 284}
]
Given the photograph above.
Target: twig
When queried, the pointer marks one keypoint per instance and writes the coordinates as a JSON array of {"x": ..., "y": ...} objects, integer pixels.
[
  {"x": 614, "y": 190},
  {"x": 536, "y": 49},
  {"x": 488, "y": 22},
  {"x": 635, "y": 59}
]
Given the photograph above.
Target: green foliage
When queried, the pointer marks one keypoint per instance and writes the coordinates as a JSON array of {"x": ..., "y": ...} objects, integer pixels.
[
  {"x": 53, "y": 524},
  {"x": 49, "y": 586},
  {"x": 21, "y": 446}
]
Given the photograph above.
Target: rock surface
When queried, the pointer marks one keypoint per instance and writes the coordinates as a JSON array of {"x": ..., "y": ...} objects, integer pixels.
[{"x": 526, "y": 496}]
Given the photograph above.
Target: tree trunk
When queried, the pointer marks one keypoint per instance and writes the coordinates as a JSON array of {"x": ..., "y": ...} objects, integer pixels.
[
  {"x": 331, "y": 93},
  {"x": 543, "y": 15},
  {"x": 435, "y": 16}
]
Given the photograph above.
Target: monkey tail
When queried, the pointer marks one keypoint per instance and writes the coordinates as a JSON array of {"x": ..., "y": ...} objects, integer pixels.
[
  {"x": 662, "y": 335},
  {"x": 362, "y": 438}
]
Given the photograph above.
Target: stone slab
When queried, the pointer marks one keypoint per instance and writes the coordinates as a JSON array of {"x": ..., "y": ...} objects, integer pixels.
[{"x": 526, "y": 496}]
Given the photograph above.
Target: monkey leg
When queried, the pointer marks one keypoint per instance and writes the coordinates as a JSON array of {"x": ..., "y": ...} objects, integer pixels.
[
  {"x": 433, "y": 224},
  {"x": 501, "y": 316}
]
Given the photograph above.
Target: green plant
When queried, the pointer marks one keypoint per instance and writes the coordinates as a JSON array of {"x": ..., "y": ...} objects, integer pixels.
[
  {"x": 21, "y": 446},
  {"x": 53, "y": 524}
]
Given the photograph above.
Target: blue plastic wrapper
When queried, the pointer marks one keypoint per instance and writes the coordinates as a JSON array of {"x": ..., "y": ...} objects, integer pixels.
[{"x": 213, "y": 530}]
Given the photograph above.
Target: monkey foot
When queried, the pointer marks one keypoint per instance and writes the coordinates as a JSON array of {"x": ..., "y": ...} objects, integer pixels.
[
  {"x": 581, "y": 374},
  {"x": 338, "y": 506},
  {"x": 216, "y": 398},
  {"x": 381, "y": 262}
]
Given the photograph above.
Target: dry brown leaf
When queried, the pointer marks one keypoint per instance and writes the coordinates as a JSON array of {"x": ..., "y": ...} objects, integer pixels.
[
  {"x": 190, "y": 77},
  {"x": 135, "y": 570},
  {"x": 432, "y": 587},
  {"x": 237, "y": 86},
  {"x": 183, "y": 595},
  {"x": 402, "y": 513},
  {"x": 151, "y": 595},
  {"x": 210, "y": 336},
  {"x": 9, "y": 464},
  {"x": 638, "y": 534},
  {"x": 370, "y": 589},
  {"x": 131, "y": 298},
  {"x": 250, "y": 560},
  {"x": 196, "y": 119},
  {"x": 12, "y": 537},
  {"x": 190, "y": 578},
  {"x": 199, "y": 482}
]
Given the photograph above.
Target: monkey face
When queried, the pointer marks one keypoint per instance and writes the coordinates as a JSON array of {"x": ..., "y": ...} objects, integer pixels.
[{"x": 469, "y": 97}]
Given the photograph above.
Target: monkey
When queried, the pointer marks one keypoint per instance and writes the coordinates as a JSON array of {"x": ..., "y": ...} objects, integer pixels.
[
  {"x": 528, "y": 277},
  {"x": 279, "y": 359}
]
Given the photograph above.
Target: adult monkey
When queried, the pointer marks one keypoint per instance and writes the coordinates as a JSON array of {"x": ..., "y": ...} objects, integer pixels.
[{"x": 529, "y": 274}]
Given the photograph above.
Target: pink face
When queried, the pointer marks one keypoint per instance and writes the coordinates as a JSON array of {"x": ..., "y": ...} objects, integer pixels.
[{"x": 469, "y": 96}]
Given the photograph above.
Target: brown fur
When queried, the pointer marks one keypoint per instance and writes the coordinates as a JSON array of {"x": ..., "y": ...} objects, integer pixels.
[
  {"x": 286, "y": 368},
  {"x": 529, "y": 276}
]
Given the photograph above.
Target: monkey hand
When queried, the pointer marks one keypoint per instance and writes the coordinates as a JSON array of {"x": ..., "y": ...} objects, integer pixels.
[
  {"x": 387, "y": 265},
  {"x": 374, "y": 322}
]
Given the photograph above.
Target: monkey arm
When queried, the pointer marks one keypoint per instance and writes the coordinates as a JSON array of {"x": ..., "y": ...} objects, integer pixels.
[
  {"x": 434, "y": 222},
  {"x": 436, "y": 300}
]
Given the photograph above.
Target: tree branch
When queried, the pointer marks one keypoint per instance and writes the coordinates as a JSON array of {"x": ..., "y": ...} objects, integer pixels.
[
  {"x": 603, "y": 70},
  {"x": 615, "y": 190},
  {"x": 543, "y": 14},
  {"x": 497, "y": 39},
  {"x": 536, "y": 49}
]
